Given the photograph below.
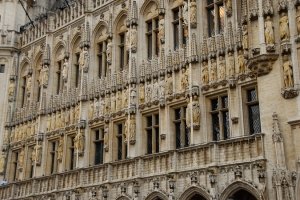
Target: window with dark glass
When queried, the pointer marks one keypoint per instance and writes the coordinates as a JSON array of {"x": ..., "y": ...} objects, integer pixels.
[
  {"x": 99, "y": 146},
  {"x": 102, "y": 59},
  {"x": 179, "y": 34},
  {"x": 72, "y": 154},
  {"x": 59, "y": 77},
  {"x": 152, "y": 131},
  {"x": 122, "y": 51},
  {"x": 220, "y": 118},
  {"x": 2, "y": 68},
  {"x": 253, "y": 110},
  {"x": 152, "y": 39},
  {"x": 122, "y": 146},
  {"x": 53, "y": 156},
  {"x": 77, "y": 70},
  {"x": 215, "y": 17},
  {"x": 23, "y": 91},
  {"x": 182, "y": 133},
  {"x": 15, "y": 164}
]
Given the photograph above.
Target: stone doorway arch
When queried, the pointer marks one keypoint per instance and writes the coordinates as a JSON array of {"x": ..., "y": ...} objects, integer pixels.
[
  {"x": 240, "y": 190},
  {"x": 194, "y": 193},
  {"x": 156, "y": 196}
]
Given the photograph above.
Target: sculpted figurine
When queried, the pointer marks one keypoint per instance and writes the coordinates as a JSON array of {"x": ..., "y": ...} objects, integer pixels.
[
  {"x": 79, "y": 141},
  {"x": 284, "y": 27},
  {"x": 161, "y": 27},
  {"x": 45, "y": 71},
  {"x": 38, "y": 153},
  {"x": 188, "y": 112},
  {"x": 32, "y": 128},
  {"x": 102, "y": 106},
  {"x": 148, "y": 92},
  {"x": 67, "y": 117},
  {"x": 105, "y": 135},
  {"x": 185, "y": 12},
  {"x": 28, "y": 84},
  {"x": 5, "y": 138},
  {"x": 196, "y": 110},
  {"x": 269, "y": 33},
  {"x": 33, "y": 155},
  {"x": 65, "y": 70},
  {"x": 24, "y": 134},
  {"x": 228, "y": 4},
  {"x": 193, "y": 11},
  {"x": 133, "y": 36},
  {"x": 58, "y": 120},
  {"x": 109, "y": 50},
  {"x": 142, "y": 93},
  {"x": 12, "y": 135},
  {"x": 91, "y": 110},
  {"x": 132, "y": 127},
  {"x": 126, "y": 129},
  {"x": 162, "y": 87},
  {"x": 169, "y": 84},
  {"x": 184, "y": 79},
  {"x": 72, "y": 113},
  {"x": 245, "y": 37},
  {"x": 77, "y": 112},
  {"x": 53, "y": 122},
  {"x": 298, "y": 19},
  {"x": 231, "y": 64},
  {"x": 29, "y": 127},
  {"x": 213, "y": 70},
  {"x": 222, "y": 68},
  {"x": 119, "y": 100},
  {"x": 48, "y": 124},
  {"x": 113, "y": 102},
  {"x": 2, "y": 162},
  {"x": 21, "y": 158},
  {"x": 205, "y": 77},
  {"x": 125, "y": 97},
  {"x": 133, "y": 94},
  {"x": 241, "y": 62},
  {"x": 36, "y": 127},
  {"x": 97, "y": 106},
  {"x": 107, "y": 104},
  {"x": 11, "y": 89},
  {"x": 287, "y": 72},
  {"x": 63, "y": 117},
  {"x": 128, "y": 39},
  {"x": 60, "y": 148},
  {"x": 155, "y": 90}
]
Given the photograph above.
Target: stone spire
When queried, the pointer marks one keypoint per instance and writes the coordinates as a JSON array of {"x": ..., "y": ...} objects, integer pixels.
[
  {"x": 204, "y": 51},
  {"x": 194, "y": 49},
  {"x": 162, "y": 61},
  {"x": 254, "y": 9},
  {"x": 213, "y": 47},
  {"x": 278, "y": 142},
  {"x": 244, "y": 12},
  {"x": 267, "y": 7},
  {"x": 110, "y": 22},
  {"x": 46, "y": 55},
  {"x": 221, "y": 45},
  {"x": 230, "y": 39},
  {"x": 133, "y": 68}
]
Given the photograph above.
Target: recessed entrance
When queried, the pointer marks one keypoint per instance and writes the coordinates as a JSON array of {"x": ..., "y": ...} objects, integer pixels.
[
  {"x": 197, "y": 197},
  {"x": 241, "y": 195}
]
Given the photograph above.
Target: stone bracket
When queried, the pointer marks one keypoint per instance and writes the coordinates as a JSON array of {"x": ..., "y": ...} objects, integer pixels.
[{"x": 262, "y": 64}]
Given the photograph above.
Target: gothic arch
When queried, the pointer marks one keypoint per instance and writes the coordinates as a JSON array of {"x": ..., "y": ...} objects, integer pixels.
[
  {"x": 123, "y": 13},
  {"x": 193, "y": 190},
  {"x": 98, "y": 26},
  {"x": 23, "y": 63},
  {"x": 155, "y": 194},
  {"x": 74, "y": 40},
  {"x": 235, "y": 187},
  {"x": 145, "y": 4},
  {"x": 122, "y": 198},
  {"x": 37, "y": 58},
  {"x": 57, "y": 46}
]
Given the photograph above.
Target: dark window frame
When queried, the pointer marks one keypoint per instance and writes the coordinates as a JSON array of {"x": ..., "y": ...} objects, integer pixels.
[
  {"x": 152, "y": 131},
  {"x": 252, "y": 103},
  {"x": 182, "y": 134}
]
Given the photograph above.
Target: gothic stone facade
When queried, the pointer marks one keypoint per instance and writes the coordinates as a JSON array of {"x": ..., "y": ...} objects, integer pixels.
[{"x": 151, "y": 99}]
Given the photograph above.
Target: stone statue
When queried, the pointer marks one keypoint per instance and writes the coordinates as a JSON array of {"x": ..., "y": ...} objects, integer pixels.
[
  {"x": 21, "y": 158},
  {"x": 36, "y": 127},
  {"x": 205, "y": 77},
  {"x": 77, "y": 112},
  {"x": 12, "y": 135},
  {"x": 228, "y": 4},
  {"x": 5, "y": 138},
  {"x": 132, "y": 127},
  {"x": 245, "y": 37},
  {"x": 213, "y": 70},
  {"x": 162, "y": 87},
  {"x": 81, "y": 59},
  {"x": 2, "y": 162},
  {"x": 298, "y": 19},
  {"x": 169, "y": 84},
  {"x": 45, "y": 74},
  {"x": 29, "y": 127},
  {"x": 58, "y": 120},
  {"x": 284, "y": 27},
  {"x": 107, "y": 104},
  {"x": 11, "y": 89},
  {"x": 28, "y": 84},
  {"x": 71, "y": 115},
  {"x": 222, "y": 68},
  {"x": 133, "y": 95},
  {"x": 142, "y": 93},
  {"x": 106, "y": 135},
  {"x": 63, "y": 117},
  {"x": 48, "y": 124},
  {"x": 24, "y": 131},
  {"x": 79, "y": 141},
  {"x": 96, "y": 106},
  {"x": 155, "y": 90},
  {"x": 161, "y": 27},
  {"x": 193, "y": 11},
  {"x": 125, "y": 97},
  {"x": 133, "y": 36},
  {"x": 65, "y": 70},
  {"x": 128, "y": 39},
  {"x": 231, "y": 64},
  {"x": 67, "y": 117},
  {"x": 188, "y": 112},
  {"x": 60, "y": 148},
  {"x": 109, "y": 50},
  {"x": 32, "y": 128},
  {"x": 185, "y": 12},
  {"x": 91, "y": 110},
  {"x": 269, "y": 33},
  {"x": 184, "y": 79},
  {"x": 126, "y": 129},
  {"x": 53, "y": 121},
  {"x": 113, "y": 102},
  {"x": 102, "y": 106},
  {"x": 196, "y": 110},
  {"x": 241, "y": 62},
  {"x": 148, "y": 92},
  {"x": 287, "y": 72},
  {"x": 38, "y": 153},
  {"x": 119, "y": 100}
]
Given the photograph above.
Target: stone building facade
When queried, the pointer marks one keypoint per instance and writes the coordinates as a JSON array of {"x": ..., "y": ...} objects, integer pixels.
[{"x": 150, "y": 99}]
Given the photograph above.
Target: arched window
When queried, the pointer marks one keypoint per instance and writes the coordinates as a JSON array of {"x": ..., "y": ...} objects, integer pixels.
[
  {"x": 75, "y": 60},
  {"x": 179, "y": 33},
  {"x": 58, "y": 66},
  {"x": 122, "y": 39},
  {"x": 101, "y": 40},
  {"x": 22, "y": 84}
]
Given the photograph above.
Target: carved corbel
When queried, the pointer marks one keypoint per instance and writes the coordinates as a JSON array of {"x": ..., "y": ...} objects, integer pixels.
[
  {"x": 282, "y": 6},
  {"x": 262, "y": 64}
]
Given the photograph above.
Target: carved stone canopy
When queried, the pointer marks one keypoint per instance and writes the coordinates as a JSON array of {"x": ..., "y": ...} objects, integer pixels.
[{"x": 262, "y": 64}]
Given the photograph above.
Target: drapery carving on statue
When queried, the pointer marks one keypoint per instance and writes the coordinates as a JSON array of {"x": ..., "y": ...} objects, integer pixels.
[
  {"x": 284, "y": 27},
  {"x": 161, "y": 28},
  {"x": 169, "y": 84},
  {"x": 155, "y": 90},
  {"x": 142, "y": 93},
  {"x": 107, "y": 104},
  {"x": 2, "y": 162},
  {"x": 125, "y": 96},
  {"x": 222, "y": 68},
  {"x": 119, "y": 100},
  {"x": 185, "y": 13},
  {"x": 79, "y": 141},
  {"x": 196, "y": 110},
  {"x": 113, "y": 102},
  {"x": 269, "y": 33},
  {"x": 91, "y": 110},
  {"x": 231, "y": 64},
  {"x": 133, "y": 94},
  {"x": 241, "y": 62},
  {"x": 28, "y": 84},
  {"x": 60, "y": 148},
  {"x": 184, "y": 79},
  {"x": 106, "y": 131},
  {"x": 287, "y": 72},
  {"x": 101, "y": 107},
  {"x": 21, "y": 159},
  {"x": 132, "y": 127},
  {"x": 213, "y": 70},
  {"x": 65, "y": 70},
  {"x": 205, "y": 75},
  {"x": 245, "y": 37},
  {"x": 188, "y": 112},
  {"x": 11, "y": 89},
  {"x": 48, "y": 123},
  {"x": 109, "y": 51},
  {"x": 148, "y": 92},
  {"x": 84, "y": 59}
]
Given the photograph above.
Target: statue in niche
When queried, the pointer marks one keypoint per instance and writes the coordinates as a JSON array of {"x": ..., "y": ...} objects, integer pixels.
[
  {"x": 161, "y": 27},
  {"x": 65, "y": 70},
  {"x": 155, "y": 90},
  {"x": 2, "y": 162},
  {"x": 169, "y": 84},
  {"x": 148, "y": 92},
  {"x": 79, "y": 141},
  {"x": 245, "y": 37},
  {"x": 185, "y": 12},
  {"x": 107, "y": 104},
  {"x": 241, "y": 62},
  {"x": 5, "y": 139},
  {"x": 32, "y": 128},
  {"x": 231, "y": 64},
  {"x": 12, "y": 135},
  {"x": 287, "y": 72},
  {"x": 38, "y": 148},
  {"x": 142, "y": 93},
  {"x": 24, "y": 131},
  {"x": 77, "y": 112},
  {"x": 28, "y": 84},
  {"x": 96, "y": 106},
  {"x": 126, "y": 129},
  {"x": 119, "y": 100},
  {"x": 188, "y": 112},
  {"x": 285, "y": 186},
  {"x": 102, "y": 106},
  {"x": 222, "y": 68},
  {"x": 113, "y": 102},
  {"x": 193, "y": 11},
  {"x": 109, "y": 51},
  {"x": 162, "y": 87},
  {"x": 53, "y": 121},
  {"x": 36, "y": 127},
  {"x": 127, "y": 39},
  {"x": 133, "y": 36},
  {"x": 228, "y": 4},
  {"x": 91, "y": 110},
  {"x": 213, "y": 70},
  {"x": 132, "y": 127},
  {"x": 58, "y": 120},
  {"x": 67, "y": 117},
  {"x": 106, "y": 135},
  {"x": 71, "y": 115},
  {"x": 45, "y": 71},
  {"x": 184, "y": 79},
  {"x": 125, "y": 96},
  {"x": 196, "y": 110},
  {"x": 63, "y": 117},
  {"x": 11, "y": 89},
  {"x": 29, "y": 127},
  {"x": 17, "y": 133},
  {"x": 269, "y": 33},
  {"x": 284, "y": 27},
  {"x": 60, "y": 148},
  {"x": 205, "y": 76},
  {"x": 21, "y": 158},
  {"x": 133, "y": 94},
  {"x": 298, "y": 19},
  {"x": 48, "y": 124}
]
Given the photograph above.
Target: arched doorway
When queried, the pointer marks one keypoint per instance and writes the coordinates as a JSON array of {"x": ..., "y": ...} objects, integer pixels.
[
  {"x": 242, "y": 195},
  {"x": 197, "y": 197}
]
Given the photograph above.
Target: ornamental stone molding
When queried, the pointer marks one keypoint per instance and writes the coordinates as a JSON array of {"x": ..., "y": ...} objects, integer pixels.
[{"x": 261, "y": 65}]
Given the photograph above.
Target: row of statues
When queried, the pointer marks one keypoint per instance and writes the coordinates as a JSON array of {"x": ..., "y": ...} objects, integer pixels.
[{"x": 22, "y": 131}]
